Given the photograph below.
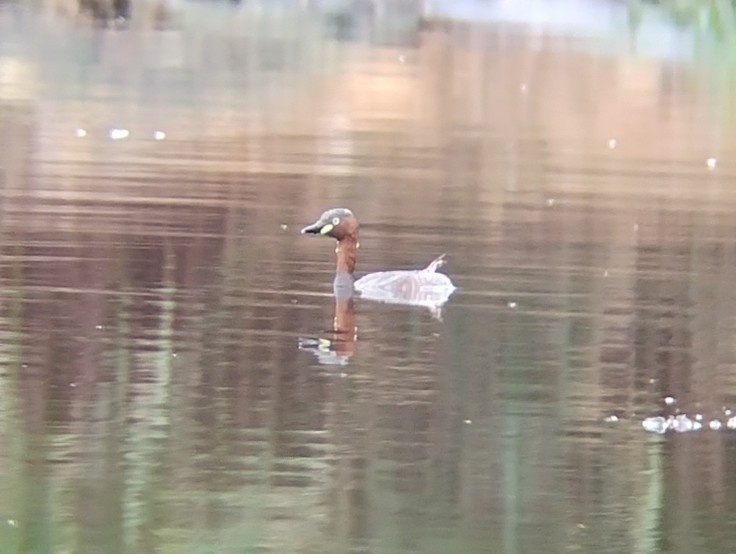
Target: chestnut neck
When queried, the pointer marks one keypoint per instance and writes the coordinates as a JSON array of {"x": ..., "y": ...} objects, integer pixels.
[{"x": 347, "y": 252}]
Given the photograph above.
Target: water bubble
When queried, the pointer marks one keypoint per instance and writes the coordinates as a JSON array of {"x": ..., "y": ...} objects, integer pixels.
[
  {"x": 726, "y": 411},
  {"x": 98, "y": 327},
  {"x": 13, "y": 522},
  {"x": 669, "y": 400},
  {"x": 711, "y": 163},
  {"x": 284, "y": 226},
  {"x": 80, "y": 133},
  {"x": 119, "y": 134},
  {"x": 656, "y": 424},
  {"x": 611, "y": 419},
  {"x": 683, "y": 424},
  {"x": 468, "y": 421},
  {"x": 159, "y": 135},
  {"x": 715, "y": 425},
  {"x": 512, "y": 304},
  {"x": 73, "y": 385},
  {"x": 698, "y": 417},
  {"x": 612, "y": 143},
  {"x": 550, "y": 202}
]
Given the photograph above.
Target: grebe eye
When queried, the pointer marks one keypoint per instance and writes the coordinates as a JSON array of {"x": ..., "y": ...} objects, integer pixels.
[{"x": 335, "y": 220}]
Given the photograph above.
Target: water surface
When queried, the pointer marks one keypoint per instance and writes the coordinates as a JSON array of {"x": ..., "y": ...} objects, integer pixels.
[{"x": 169, "y": 376}]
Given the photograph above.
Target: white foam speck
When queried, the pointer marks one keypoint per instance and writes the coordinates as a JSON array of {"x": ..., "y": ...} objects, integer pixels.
[
  {"x": 80, "y": 133},
  {"x": 119, "y": 134},
  {"x": 159, "y": 135},
  {"x": 656, "y": 424},
  {"x": 669, "y": 400},
  {"x": 612, "y": 143},
  {"x": 711, "y": 163}
]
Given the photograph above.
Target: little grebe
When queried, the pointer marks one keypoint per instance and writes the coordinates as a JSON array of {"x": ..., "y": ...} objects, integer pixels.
[{"x": 423, "y": 287}]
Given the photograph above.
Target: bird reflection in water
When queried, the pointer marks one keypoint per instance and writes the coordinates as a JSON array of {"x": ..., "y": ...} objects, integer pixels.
[
  {"x": 424, "y": 287},
  {"x": 337, "y": 349}
]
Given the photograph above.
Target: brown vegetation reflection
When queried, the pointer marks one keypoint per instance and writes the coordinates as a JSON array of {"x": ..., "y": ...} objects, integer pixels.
[{"x": 153, "y": 288}]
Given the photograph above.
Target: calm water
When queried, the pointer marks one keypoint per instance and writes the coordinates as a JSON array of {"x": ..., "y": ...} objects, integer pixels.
[{"x": 169, "y": 377}]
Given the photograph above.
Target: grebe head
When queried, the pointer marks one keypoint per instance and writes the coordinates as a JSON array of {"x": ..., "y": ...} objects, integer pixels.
[{"x": 337, "y": 223}]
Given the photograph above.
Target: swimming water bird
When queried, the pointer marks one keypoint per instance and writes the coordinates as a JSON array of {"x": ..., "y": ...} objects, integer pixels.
[{"x": 419, "y": 287}]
